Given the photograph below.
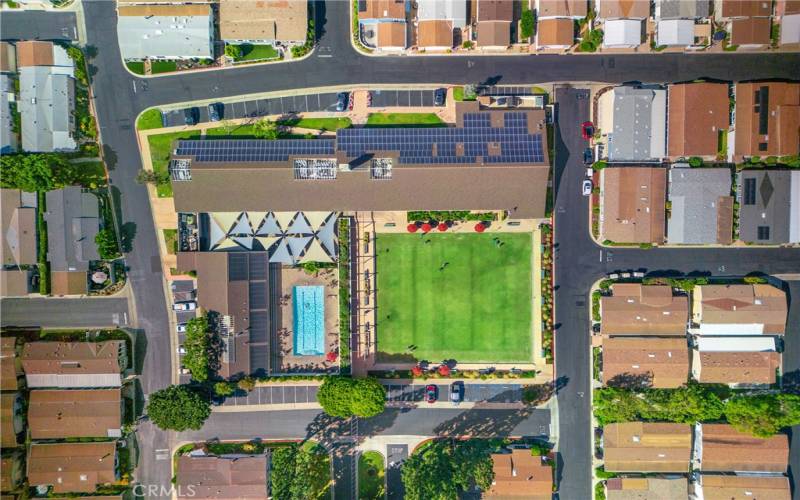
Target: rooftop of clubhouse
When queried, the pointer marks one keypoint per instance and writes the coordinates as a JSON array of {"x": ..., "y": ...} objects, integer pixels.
[{"x": 491, "y": 160}]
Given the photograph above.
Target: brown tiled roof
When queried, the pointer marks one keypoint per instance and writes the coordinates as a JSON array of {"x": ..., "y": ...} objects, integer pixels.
[
  {"x": 738, "y": 367},
  {"x": 647, "y": 447},
  {"x": 392, "y": 35},
  {"x": 745, "y": 487},
  {"x": 6, "y": 56},
  {"x": 495, "y": 10},
  {"x": 636, "y": 309},
  {"x": 223, "y": 478},
  {"x": 724, "y": 449},
  {"x": 519, "y": 474},
  {"x": 555, "y": 32},
  {"x": 751, "y": 31},
  {"x": 743, "y": 304},
  {"x": 697, "y": 112},
  {"x": 383, "y": 9},
  {"x": 283, "y": 20},
  {"x": 435, "y": 33},
  {"x": 663, "y": 362},
  {"x": 632, "y": 204},
  {"x": 782, "y": 115},
  {"x": 746, "y": 8},
  {"x": 784, "y": 7},
  {"x": 187, "y": 10},
  {"x": 13, "y": 282},
  {"x": 34, "y": 53},
  {"x": 18, "y": 230},
  {"x": 8, "y": 364},
  {"x": 68, "y": 282},
  {"x": 565, "y": 8},
  {"x": 10, "y": 472},
  {"x": 72, "y": 467},
  {"x": 637, "y": 9},
  {"x": 55, "y": 414},
  {"x": 494, "y": 33},
  {"x": 85, "y": 358},
  {"x": 646, "y": 488},
  {"x": 8, "y": 436}
]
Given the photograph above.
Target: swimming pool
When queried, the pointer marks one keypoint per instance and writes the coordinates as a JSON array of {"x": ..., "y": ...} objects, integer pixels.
[{"x": 308, "y": 304}]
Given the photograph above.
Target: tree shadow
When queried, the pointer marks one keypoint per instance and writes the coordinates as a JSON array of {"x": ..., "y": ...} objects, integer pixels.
[
  {"x": 791, "y": 382},
  {"x": 139, "y": 349},
  {"x": 393, "y": 357},
  {"x": 631, "y": 380},
  {"x": 320, "y": 20},
  {"x": 110, "y": 157},
  {"x": 127, "y": 234},
  {"x": 477, "y": 422}
]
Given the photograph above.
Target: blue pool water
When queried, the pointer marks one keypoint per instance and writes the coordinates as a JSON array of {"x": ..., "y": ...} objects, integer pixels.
[{"x": 309, "y": 320}]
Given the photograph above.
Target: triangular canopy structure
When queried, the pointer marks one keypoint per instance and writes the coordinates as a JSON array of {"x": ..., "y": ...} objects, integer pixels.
[
  {"x": 327, "y": 236},
  {"x": 300, "y": 225},
  {"x": 216, "y": 233},
  {"x": 269, "y": 227},
  {"x": 242, "y": 226},
  {"x": 267, "y": 241},
  {"x": 298, "y": 245},
  {"x": 317, "y": 219},
  {"x": 281, "y": 253},
  {"x": 225, "y": 219},
  {"x": 256, "y": 218},
  {"x": 315, "y": 253},
  {"x": 284, "y": 219},
  {"x": 245, "y": 241},
  {"x": 225, "y": 244}
]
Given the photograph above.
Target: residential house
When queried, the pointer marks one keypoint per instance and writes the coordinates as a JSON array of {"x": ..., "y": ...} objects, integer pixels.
[
  {"x": 699, "y": 119},
  {"x": 638, "y": 121},
  {"x": 646, "y": 488},
  {"x": 8, "y": 136},
  {"x": 182, "y": 31},
  {"x": 18, "y": 227},
  {"x": 736, "y": 361},
  {"x": 767, "y": 119},
  {"x": 9, "y": 367},
  {"x": 555, "y": 33},
  {"x": 61, "y": 414},
  {"x": 435, "y": 34},
  {"x": 573, "y": 9},
  {"x": 383, "y": 24},
  {"x": 265, "y": 22},
  {"x": 47, "y": 97},
  {"x": 73, "y": 221},
  {"x": 682, "y": 23},
  {"x": 15, "y": 282},
  {"x": 8, "y": 58},
  {"x": 639, "y": 310},
  {"x": 747, "y": 22},
  {"x": 727, "y": 487},
  {"x": 495, "y": 23},
  {"x": 739, "y": 310},
  {"x": 769, "y": 206},
  {"x": 644, "y": 361},
  {"x": 12, "y": 421},
  {"x": 647, "y": 447},
  {"x": 74, "y": 364},
  {"x": 633, "y": 204},
  {"x": 787, "y": 13},
  {"x": 441, "y": 23},
  {"x": 623, "y": 22},
  {"x": 520, "y": 474},
  {"x": 72, "y": 467},
  {"x": 212, "y": 477},
  {"x": 12, "y": 472},
  {"x": 721, "y": 448},
  {"x": 701, "y": 206}
]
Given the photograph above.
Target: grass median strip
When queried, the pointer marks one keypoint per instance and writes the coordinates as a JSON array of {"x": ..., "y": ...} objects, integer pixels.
[{"x": 404, "y": 120}]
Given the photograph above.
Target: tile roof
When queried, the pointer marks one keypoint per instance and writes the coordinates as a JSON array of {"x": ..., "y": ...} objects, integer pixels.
[
  {"x": 724, "y": 449},
  {"x": 234, "y": 477},
  {"x": 647, "y": 447},
  {"x": 746, "y": 8},
  {"x": 635, "y": 309},
  {"x": 745, "y": 487},
  {"x": 738, "y": 367},
  {"x": 34, "y": 53},
  {"x": 282, "y": 20},
  {"x": 562, "y": 8},
  {"x": 633, "y": 204},
  {"x": 59, "y": 414},
  {"x": 783, "y": 7},
  {"x": 494, "y": 33},
  {"x": 767, "y": 113},
  {"x": 18, "y": 229},
  {"x": 634, "y": 9},
  {"x": 741, "y": 305},
  {"x": 660, "y": 363},
  {"x": 7, "y": 57},
  {"x": 62, "y": 364},
  {"x": 68, "y": 282},
  {"x": 72, "y": 467},
  {"x": 646, "y": 488},
  {"x": 10, "y": 402},
  {"x": 555, "y": 32},
  {"x": 435, "y": 33},
  {"x": 10, "y": 473},
  {"x": 519, "y": 474},
  {"x": 392, "y": 35},
  {"x": 697, "y": 113},
  {"x": 382, "y": 9},
  {"x": 495, "y": 10},
  {"x": 702, "y": 206},
  {"x": 9, "y": 367},
  {"x": 751, "y": 31}
]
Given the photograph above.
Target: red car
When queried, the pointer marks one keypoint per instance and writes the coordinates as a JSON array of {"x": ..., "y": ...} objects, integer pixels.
[
  {"x": 430, "y": 393},
  {"x": 587, "y": 130}
]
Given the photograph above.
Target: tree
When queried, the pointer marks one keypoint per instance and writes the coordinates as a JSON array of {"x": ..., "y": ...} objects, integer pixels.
[
  {"x": 34, "y": 172},
  {"x": 246, "y": 384},
  {"x": 178, "y": 408},
  {"x": 299, "y": 472},
  {"x": 345, "y": 397},
  {"x": 527, "y": 23},
  {"x": 152, "y": 177},
  {"x": 282, "y": 470},
  {"x": 107, "y": 246},
  {"x": 695, "y": 161},
  {"x": 223, "y": 389},
  {"x": 763, "y": 415},
  {"x": 265, "y": 129},
  {"x": 444, "y": 469},
  {"x": 686, "y": 405},
  {"x": 616, "y": 405},
  {"x": 196, "y": 345},
  {"x": 233, "y": 51}
]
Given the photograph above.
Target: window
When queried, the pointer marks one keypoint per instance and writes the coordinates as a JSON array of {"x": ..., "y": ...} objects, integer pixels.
[
  {"x": 749, "y": 191},
  {"x": 762, "y": 146},
  {"x": 763, "y": 233}
]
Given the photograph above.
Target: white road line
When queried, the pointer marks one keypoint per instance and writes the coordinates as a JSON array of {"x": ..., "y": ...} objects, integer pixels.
[
  {"x": 323, "y": 55},
  {"x": 601, "y": 256},
  {"x": 134, "y": 86},
  {"x": 125, "y": 315}
]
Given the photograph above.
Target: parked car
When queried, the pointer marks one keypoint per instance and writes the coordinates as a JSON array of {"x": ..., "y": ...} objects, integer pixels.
[
  {"x": 589, "y": 172},
  {"x": 457, "y": 392},
  {"x": 181, "y": 349},
  {"x": 215, "y": 111},
  {"x": 439, "y": 97},
  {"x": 430, "y": 393},
  {"x": 191, "y": 116},
  {"x": 588, "y": 156},
  {"x": 587, "y": 130},
  {"x": 181, "y": 328},
  {"x": 342, "y": 101},
  {"x": 586, "y": 187},
  {"x": 184, "y": 306},
  {"x": 184, "y": 371}
]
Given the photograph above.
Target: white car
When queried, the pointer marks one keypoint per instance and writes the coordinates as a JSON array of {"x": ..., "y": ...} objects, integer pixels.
[
  {"x": 586, "y": 187},
  {"x": 181, "y": 349},
  {"x": 184, "y": 306},
  {"x": 589, "y": 172},
  {"x": 181, "y": 328}
]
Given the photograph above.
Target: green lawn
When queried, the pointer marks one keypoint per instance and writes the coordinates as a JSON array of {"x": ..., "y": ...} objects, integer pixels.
[
  {"x": 150, "y": 119},
  {"x": 136, "y": 67},
  {"x": 477, "y": 308},
  {"x": 371, "y": 479},
  {"x": 257, "y": 52},
  {"x": 90, "y": 174},
  {"x": 160, "y": 151},
  {"x": 404, "y": 120},
  {"x": 171, "y": 240},
  {"x": 318, "y": 123},
  {"x": 163, "y": 66}
]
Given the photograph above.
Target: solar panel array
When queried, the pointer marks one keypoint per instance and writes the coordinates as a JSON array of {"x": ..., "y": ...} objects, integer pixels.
[
  {"x": 254, "y": 150},
  {"x": 416, "y": 145}
]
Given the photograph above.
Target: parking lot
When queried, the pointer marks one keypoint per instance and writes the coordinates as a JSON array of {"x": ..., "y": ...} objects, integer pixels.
[
  {"x": 283, "y": 394},
  {"x": 473, "y": 393},
  {"x": 183, "y": 291},
  {"x": 408, "y": 98}
]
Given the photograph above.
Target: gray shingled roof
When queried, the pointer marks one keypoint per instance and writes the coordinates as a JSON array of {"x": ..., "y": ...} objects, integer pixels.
[
  {"x": 771, "y": 206},
  {"x": 694, "y": 193},
  {"x": 47, "y": 100},
  {"x": 683, "y": 9},
  {"x": 72, "y": 224},
  {"x": 639, "y": 125}
]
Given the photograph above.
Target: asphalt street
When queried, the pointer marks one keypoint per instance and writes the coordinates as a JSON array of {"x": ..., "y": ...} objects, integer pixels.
[
  {"x": 61, "y": 313},
  {"x": 791, "y": 374},
  {"x": 38, "y": 25}
]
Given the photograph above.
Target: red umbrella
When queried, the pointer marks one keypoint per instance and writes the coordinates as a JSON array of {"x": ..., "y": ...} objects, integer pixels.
[
  {"x": 426, "y": 228},
  {"x": 416, "y": 371},
  {"x": 444, "y": 370},
  {"x": 479, "y": 227},
  {"x": 412, "y": 228},
  {"x": 442, "y": 227}
]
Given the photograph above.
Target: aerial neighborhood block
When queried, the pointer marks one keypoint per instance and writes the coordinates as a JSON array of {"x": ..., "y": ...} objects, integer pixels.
[
  {"x": 644, "y": 310},
  {"x": 767, "y": 118},
  {"x": 72, "y": 467},
  {"x": 74, "y": 364},
  {"x": 701, "y": 209},
  {"x": 769, "y": 206},
  {"x": 647, "y": 447},
  {"x": 47, "y": 97},
  {"x": 59, "y": 414},
  {"x": 154, "y": 31},
  {"x": 721, "y": 448},
  {"x": 646, "y": 362},
  {"x": 632, "y": 204},
  {"x": 227, "y": 476},
  {"x": 746, "y": 21},
  {"x": 383, "y": 24},
  {"x": 699, "y": 113},
  {"x": 748, "y": 310}
]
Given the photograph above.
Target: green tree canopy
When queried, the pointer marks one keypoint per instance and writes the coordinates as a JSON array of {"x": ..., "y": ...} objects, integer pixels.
[
  {"x": 300, "y": 472},
  {"x": 196, "y": 345},
  {"x": 527, "y": 24},
  {"x": 763, "y": 415},
  {"x": 345, "y": 397},
  {"x": 34, "y": 172},
  {"x": 444, "y": 469},
  {"x": 178, "y": 408},
  {"x": 693, "y": 403},
  {"x": 233, "y": 51},
  {"x": 223, "y": 389},
  {"x": 107, "y": 246},
  {"x": 265, "y": 129}
]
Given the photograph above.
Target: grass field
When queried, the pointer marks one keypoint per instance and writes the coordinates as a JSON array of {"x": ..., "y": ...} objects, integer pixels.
[
  {"x": 257, "y": 52},
  {"x": 160, "y": 151},
  {"x": 404, "y": 120},
  {"x": 454, "y": 296},
  {"x": 371, "y": 476},
  {"x": 150, "y": 119}
]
